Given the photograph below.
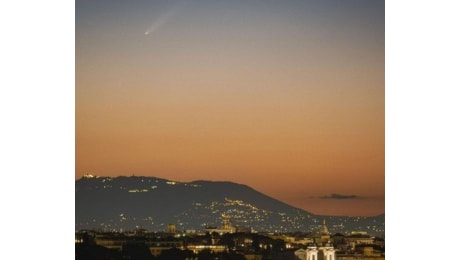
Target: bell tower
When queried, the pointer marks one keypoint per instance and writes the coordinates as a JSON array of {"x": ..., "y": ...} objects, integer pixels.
[
  {"x": 312, "y": 252},
  {"x": 328, "y": 252}
]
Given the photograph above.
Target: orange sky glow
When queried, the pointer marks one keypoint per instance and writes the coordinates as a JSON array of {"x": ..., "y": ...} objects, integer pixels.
[{"x": 273, "y": 96}]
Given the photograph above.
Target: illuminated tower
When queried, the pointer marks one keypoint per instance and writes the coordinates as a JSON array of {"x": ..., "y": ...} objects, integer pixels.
[
  {"x": 324, "y": 230},
  {"x": 171, "y": 228},
  {"x": 323, "y": 235},
  {"x": 328, "y": 252},
  {"x": 312, "y": 252},
  {"x": 225, "y": 222}
]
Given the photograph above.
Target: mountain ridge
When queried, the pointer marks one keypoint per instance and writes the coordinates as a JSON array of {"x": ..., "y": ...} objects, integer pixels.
[{"x": 153, "y": 203}]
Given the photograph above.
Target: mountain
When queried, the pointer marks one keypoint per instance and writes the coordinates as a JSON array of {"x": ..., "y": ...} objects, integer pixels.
[{"x": 153, "y": 203}]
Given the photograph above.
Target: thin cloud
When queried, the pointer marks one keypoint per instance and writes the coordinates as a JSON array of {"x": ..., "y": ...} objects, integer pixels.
[{"x": 338, "y": 196}]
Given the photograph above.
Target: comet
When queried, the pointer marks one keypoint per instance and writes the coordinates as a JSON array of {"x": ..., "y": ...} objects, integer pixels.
[{"x": 162, "y": 19}]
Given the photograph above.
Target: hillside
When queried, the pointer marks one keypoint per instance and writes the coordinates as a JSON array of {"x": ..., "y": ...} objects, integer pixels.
[{"x": 153, "y": 203}]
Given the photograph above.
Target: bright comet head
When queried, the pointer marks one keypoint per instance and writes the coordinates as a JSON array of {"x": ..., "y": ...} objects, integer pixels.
[{"x": 146, "y": 33}]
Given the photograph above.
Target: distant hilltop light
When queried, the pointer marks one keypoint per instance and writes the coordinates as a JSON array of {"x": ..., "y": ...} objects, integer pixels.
[{"x": 90, "y": 176}]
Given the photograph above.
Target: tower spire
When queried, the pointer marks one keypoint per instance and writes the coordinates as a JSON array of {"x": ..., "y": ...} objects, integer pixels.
[{"x": 324, "y": 229}]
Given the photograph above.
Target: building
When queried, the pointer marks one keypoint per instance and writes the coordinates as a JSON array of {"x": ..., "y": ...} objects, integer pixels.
[
  {"x": 312, "y": 252},
  {"x": 213, "y": 248},
  {"x": 156, "y": 247},
  {"x": 323, "y": 235},
  {"x": 225, "y": 228},
  {"x": 111, "y": 241},
  {"x": 171, "y": 229},
  {"x": 358, "y": 238}
]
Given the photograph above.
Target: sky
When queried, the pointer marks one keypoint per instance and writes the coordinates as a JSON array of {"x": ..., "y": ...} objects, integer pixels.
[{"x": 287, "y": 97}]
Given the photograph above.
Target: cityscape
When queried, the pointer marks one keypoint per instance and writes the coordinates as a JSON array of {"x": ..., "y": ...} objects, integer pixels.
[
  {"x": 230, "y": 129},
  {"x": 227, "y": 242},
  {"x": 210, "y": 228}
]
